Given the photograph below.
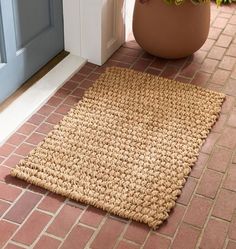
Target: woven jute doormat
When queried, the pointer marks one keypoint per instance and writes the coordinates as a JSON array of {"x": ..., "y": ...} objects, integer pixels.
[{"x": 128, "y": 146}]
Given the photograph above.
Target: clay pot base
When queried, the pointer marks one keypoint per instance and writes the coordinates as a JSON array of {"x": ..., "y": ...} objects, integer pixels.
[{"x": 171, "y": 31}]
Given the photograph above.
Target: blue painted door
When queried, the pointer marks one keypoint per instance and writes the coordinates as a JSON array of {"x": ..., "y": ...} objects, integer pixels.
[{"x": 31, "y": 33}]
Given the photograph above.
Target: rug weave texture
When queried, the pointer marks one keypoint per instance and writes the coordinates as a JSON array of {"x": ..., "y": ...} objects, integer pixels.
[{"x": 128, "y": 146}]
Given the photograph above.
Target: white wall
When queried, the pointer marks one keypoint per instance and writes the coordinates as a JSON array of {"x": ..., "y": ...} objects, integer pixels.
[
  {"x": 129, "y": 9},
  {"x": 94, "y": 29},
  {"x": 72, "y": 26}
]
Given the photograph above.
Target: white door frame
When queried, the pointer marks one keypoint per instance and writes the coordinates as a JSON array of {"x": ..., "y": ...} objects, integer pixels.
[{"x": 94, "y": 29}]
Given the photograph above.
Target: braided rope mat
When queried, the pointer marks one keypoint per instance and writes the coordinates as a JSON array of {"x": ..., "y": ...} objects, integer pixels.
[{"x": 128, "y": 146}]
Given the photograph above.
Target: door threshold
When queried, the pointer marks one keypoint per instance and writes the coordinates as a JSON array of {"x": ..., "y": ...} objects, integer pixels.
[{"x": 15, "y": 114}]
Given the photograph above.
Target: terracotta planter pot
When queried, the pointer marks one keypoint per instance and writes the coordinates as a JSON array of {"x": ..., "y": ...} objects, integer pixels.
[{"x": 171, "y": 31}]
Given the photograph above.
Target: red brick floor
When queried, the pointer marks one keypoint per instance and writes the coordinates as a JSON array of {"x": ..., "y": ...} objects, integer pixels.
[{"x": 205, "y": 214}]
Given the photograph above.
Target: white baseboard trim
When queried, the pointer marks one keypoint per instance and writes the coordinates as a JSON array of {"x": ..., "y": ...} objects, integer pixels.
[{"x": 13, "y": 116}]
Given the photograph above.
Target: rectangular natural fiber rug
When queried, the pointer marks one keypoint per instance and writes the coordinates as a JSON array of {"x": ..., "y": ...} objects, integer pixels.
[{"x": 128, "y": 146}]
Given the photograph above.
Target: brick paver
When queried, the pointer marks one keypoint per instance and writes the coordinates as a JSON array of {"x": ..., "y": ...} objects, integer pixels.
[{"x": 205, "y": 214}]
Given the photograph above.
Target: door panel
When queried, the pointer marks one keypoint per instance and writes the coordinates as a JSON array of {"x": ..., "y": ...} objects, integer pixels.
[
  {"x": 32, "y": 35},
  {"x": 30, "y": 19},
  {"x": 2, "y": 47}
]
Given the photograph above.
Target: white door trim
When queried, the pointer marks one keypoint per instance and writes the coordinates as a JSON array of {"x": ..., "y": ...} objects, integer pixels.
[
  {"x": 94, "y": 29},
  {"x": 72, "y": 26}
]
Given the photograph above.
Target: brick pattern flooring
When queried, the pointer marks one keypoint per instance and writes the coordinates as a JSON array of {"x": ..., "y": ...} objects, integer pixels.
[{"x": 205, "y": 214}]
